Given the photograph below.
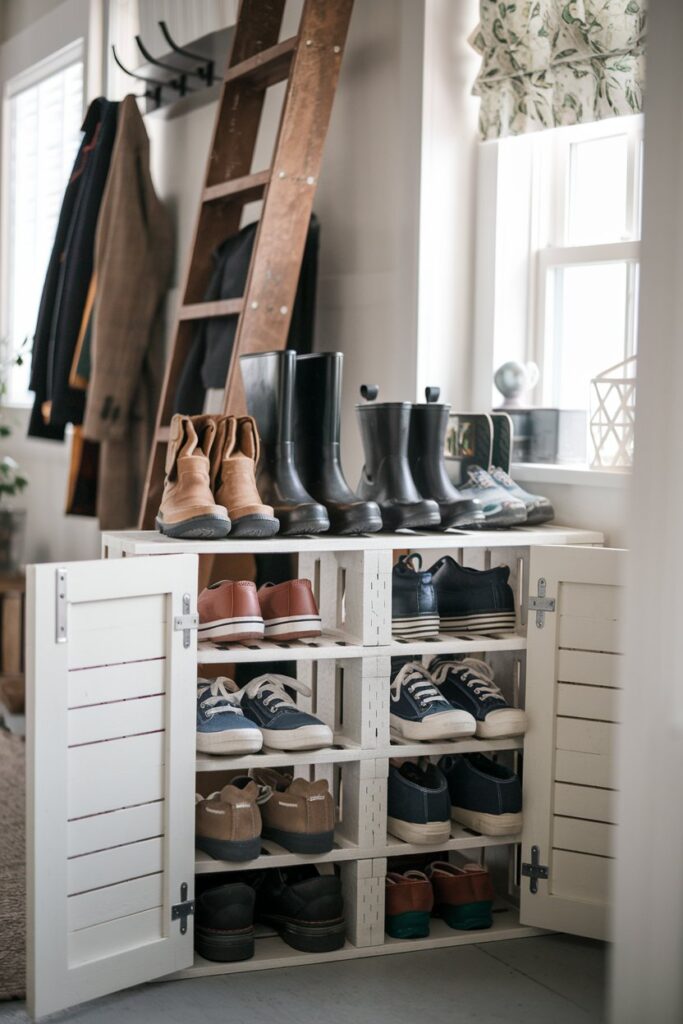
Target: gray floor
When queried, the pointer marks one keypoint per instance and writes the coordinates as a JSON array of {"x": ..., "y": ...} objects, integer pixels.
[{"x": 553, "y": 978}]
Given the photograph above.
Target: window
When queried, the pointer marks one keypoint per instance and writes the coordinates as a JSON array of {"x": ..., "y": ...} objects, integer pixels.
[
  {"x": 562, "y": 268},
  {"x": 43, "y": 112}
]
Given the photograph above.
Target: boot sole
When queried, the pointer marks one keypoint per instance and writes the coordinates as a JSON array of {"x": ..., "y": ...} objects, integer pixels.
[
  {"x": 255, "y": 525},
  {"x": 296, "y": 522},
  {"x": 345, "y": 524},
  {"x": 400, "y": 519},
  {"x": 301, "y": 842},
  {"x": 224, "y": 946},
  {"x": 230, "y": 849},
  {"x": 199, "y": 528},
  {"x": 309, "y": 938}
]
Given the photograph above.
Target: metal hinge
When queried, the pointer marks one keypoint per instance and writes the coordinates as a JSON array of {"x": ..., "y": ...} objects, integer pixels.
[
  {"x": 186, "y": 622},
  {"x": 61, "y": 606},
  {"x": 534, "y": 870},
  {"x": 181, "y": 911},
  {"x": 541, "y": 604}
]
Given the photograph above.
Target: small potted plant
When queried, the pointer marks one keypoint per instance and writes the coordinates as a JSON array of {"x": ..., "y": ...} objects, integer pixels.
[{"x": 12, "y": 480}]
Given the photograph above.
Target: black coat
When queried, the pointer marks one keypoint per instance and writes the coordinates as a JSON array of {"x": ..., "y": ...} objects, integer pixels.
[
  {"x": 68, "y": 277},
  {"x": 209, "y": 357}
]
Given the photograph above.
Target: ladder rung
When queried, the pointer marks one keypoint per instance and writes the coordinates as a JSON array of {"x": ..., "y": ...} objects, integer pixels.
[
  {"x": 267, "y": 67},
  {"x": 248, "y": 188},
  {"x": 208, "y": 310}
]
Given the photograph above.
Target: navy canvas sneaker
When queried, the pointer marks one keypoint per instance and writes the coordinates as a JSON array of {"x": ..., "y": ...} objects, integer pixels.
[
  {"x": 485, "y": 796},
  {"x": 500, "y": 507},
  {"x": 538, "y": 509},
  {"x": 221, "y": 725},
  {"x": 414, "y": 613},
  {"x": 473, "y": 600},
  {"x": 468, "y": 683},
  {"x": 419, "y": 711},
  {"x": 418, "y": 803},
  {"x": 284, "y": 726}
]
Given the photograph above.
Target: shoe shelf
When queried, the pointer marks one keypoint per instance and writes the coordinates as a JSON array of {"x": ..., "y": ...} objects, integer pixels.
[
  {"x": 272, "y": 952},
  {"x": 347, "y": 670},
  {"x": 150, "y": 542}
]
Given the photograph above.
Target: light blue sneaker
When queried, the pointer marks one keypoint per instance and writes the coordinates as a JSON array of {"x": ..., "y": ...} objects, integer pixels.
[
  {"x": 222, "y": 727},
  {"x": 284, "y": 726}
]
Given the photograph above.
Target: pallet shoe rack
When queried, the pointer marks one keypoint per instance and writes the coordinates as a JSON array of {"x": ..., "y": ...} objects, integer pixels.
[{"x": 347, "y": 669}]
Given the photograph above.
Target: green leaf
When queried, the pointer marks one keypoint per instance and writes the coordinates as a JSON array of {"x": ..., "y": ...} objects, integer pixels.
[
  {"x": 567, "y": 15},
  {"x": 543, "y": 31},
  {"x": 632, "y": 7},
  {"x": 565, "y": 53},
  {"x": 502, "y": 9}
]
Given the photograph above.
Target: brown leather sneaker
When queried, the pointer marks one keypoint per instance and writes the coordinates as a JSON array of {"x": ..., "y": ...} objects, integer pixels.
[
  {"x": 233, "y": 477},
  {"x": 228, "y": 823},
  {"x": 187, "y": 507},
  {"x": 298, "y": 814},
  {"x": 289, "y": 610},
  {"x": 408, "y": 903},
  {"x": 229, "y": 611},
  {"x": 463, "y": 896}
]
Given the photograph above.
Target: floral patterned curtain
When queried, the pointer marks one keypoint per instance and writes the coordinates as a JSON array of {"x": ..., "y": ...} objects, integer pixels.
[{"x": 547, "y": 63}]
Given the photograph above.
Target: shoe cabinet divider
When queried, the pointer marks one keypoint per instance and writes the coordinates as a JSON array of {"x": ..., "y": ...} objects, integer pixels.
[{"x": 112, "y": 662}]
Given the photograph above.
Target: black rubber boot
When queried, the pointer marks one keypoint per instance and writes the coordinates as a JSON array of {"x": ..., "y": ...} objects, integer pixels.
[
  {"x": 269, "y": 383},
  {"x": 318, "y": 420},
  {"x": 386, "y": 476},
  {"x": 428, "y": 425}
]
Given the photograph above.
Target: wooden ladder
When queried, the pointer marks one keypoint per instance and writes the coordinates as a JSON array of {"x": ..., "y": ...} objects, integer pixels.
[{"x": 309, "y": 62}]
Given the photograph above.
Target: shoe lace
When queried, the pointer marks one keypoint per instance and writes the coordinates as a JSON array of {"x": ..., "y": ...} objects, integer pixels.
[
  {"x": 216, "y": 699},
  {"x": 270, "y": 689},
  {"x": 480, "y": 477},
  {"x": 476, "y": 674},
  {"x": 501, "y": 476},
  {"x": 418, "y": 683}
]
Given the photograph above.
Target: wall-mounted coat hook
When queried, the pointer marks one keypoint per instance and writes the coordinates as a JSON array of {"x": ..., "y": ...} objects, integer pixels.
[
  {"x": 154, "y": 88},
  {"x": 179, "y": 83},
  {"x": 206, "y": 68}
]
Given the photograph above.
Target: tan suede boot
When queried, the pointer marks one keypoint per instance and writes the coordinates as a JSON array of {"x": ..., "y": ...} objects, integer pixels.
[
  {"x": 228, "y": 822},
  {"x": 187, "y": 507},
  {"x": 233, "y": 477}
]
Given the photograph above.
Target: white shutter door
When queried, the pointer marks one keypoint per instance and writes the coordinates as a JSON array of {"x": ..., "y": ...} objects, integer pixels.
[
  {"x": 110, "y": 764},
  {"x": 574, "y": 666}
]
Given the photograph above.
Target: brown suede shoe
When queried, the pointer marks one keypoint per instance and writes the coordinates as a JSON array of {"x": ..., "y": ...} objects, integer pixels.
[
  {"x": 233, "y": 477},
  {"x": 463, "y": 896},
  {"x": 289, "y": 610},
  {"x": 228, "y": 823},
  {"x": 408, "y": 903},
  {"x": 298, "y": 814},
  {"x": 187, "y": 507},
  {"x": 229, "y": 612}
]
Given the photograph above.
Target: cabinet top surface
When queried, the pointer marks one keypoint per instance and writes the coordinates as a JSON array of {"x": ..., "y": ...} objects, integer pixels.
[{"x": 150, "y": 542}]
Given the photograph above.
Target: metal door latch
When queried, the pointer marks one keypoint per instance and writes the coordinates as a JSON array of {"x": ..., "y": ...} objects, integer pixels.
[
  {"x": 181, "y": 911},
  {"x": 186, "y": 622},
  {"x": 541, "y": 604},
  {"x": 61, "y": 609},
  {"x": 534, "y": 870}
]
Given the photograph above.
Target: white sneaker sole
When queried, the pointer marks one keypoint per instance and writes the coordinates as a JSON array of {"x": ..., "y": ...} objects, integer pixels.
[
  {"x": 446, "y": 726},
  {"x": 488, "y": 824},
  {"x": 292, "y": 627},
  {"x": 231, "y": 630},
  {"x": 483, "y": 622},
  {"x": 499, "y": 724},
  {"x": 308, "y": 737},
  {"x": 417, "y": 627},
  {"x": 428, "y": 833},
  {"x": 232, "y": 741}
]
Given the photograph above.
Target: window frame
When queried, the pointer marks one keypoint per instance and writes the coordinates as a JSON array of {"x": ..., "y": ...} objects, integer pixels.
[
  {"x": 516, "y": 248},
  {"x": 29, "y": 77}
]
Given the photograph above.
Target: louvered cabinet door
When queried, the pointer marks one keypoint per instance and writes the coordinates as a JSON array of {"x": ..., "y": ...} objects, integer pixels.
[
  {"x": 574, "y": 665},
  {"x": 111, "y": 683}
]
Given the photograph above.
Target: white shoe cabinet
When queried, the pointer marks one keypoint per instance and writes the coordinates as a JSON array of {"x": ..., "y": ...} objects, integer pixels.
[{"x": 112, "y": 661}]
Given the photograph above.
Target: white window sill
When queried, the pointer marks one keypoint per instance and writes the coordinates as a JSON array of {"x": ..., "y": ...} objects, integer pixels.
[{"x": 571, "y": 474}]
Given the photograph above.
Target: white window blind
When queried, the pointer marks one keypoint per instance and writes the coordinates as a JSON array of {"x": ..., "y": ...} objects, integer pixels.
[{"x": 44, "y": 112}]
